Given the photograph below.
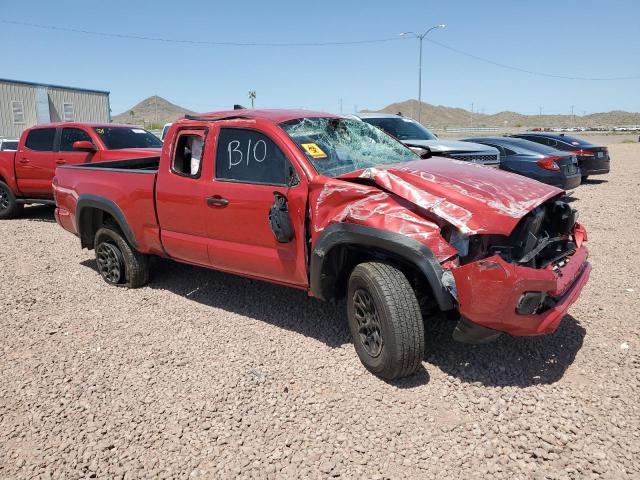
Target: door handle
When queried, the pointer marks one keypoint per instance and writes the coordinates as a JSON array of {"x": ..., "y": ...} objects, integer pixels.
[
  {"x": 24, "y": 160},
  {"x": 217, "y": 201},
  {"x": 61, "y": 161}
]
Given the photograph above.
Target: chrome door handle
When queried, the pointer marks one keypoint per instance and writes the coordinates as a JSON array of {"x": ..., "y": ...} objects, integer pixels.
[
  {"x": 61, "y": 161},
  {"x": 217, "y": 201}
]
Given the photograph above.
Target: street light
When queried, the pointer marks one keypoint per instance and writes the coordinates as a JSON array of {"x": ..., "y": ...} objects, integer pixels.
[{"x": 421, "y": 37}]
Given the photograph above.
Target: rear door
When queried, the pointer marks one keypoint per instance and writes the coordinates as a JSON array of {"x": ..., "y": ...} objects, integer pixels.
[
  {"x": 67, "y": 155},
  {"x": 252, "y": 170},
  {"x": 181, "y": 197},
  {"x": 36, "y": 163}
]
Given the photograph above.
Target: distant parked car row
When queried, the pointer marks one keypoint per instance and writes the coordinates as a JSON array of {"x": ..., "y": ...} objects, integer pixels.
[
  {"x": 555, "y": 159},
  {"x": 422, "y": 141}
]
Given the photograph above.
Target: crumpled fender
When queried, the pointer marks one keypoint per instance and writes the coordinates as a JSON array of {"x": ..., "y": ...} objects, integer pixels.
[{"x": 334, "y": 201}]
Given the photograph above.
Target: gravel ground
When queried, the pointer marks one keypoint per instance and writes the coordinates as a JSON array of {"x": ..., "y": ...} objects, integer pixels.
[{"x": 207, "y": 375}]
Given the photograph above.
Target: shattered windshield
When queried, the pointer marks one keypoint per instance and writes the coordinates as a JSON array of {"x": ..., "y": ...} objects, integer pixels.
[{"x": 336, "y": 146}]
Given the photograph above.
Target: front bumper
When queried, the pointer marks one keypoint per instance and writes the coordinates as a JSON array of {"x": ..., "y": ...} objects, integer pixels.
[{"x": 490, "y": 290}]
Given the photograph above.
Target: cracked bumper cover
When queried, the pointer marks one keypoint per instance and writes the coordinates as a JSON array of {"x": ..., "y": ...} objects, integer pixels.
[{"x": 489, "y": 291}]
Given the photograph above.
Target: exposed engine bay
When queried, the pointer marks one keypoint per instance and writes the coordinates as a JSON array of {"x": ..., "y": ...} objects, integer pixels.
[{"x": 541, "y": 238}]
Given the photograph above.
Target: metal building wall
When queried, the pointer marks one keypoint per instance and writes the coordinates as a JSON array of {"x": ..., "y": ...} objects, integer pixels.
[
  {"x": 88, "y": 106},
  {"x": 10, "y": 92}
]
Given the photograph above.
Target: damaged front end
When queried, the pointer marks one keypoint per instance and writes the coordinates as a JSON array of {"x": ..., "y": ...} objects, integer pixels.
[{"x": 524, "y": 283}]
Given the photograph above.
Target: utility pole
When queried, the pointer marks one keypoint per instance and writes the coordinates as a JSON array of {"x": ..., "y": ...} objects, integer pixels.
[
  {"x": 252, "y": 96},
  {"x": 471, "y": 114},
  {"x": 420, "y": 37},
  {"x": 573, "y": 117}
]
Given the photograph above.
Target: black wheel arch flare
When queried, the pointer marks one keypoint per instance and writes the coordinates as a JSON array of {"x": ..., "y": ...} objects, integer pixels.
[
  {"x": 323, "y": 274},
  {"x": 84, "y": 223}
]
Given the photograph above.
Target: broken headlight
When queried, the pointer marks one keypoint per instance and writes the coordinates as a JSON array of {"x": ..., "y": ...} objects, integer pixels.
[{"x": 459, "y": 241}]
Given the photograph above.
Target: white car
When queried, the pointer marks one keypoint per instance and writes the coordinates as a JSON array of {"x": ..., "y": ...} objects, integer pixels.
[
  {"x": 165, "y": 129},
  {"x": 7, "y": 144},
  {"x": 419, "y": 139}
]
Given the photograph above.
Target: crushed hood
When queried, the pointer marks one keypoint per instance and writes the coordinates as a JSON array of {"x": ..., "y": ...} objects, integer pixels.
[
  {"x": 474, "y": 198},
  {"x": 445, "y": 146}
]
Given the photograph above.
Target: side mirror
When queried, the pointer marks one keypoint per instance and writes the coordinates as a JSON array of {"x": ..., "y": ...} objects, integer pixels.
[
  {"x": 423, "y": 152},
  {"x": 84, "y": 146}
]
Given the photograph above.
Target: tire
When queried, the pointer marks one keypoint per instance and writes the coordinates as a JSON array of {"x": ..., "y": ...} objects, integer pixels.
[
  {"x": 385, "y": 320},
  {"x": 118, "y": 264},
  {"x": 9, "y": 208},
  {"x": 584, "y": 178}
]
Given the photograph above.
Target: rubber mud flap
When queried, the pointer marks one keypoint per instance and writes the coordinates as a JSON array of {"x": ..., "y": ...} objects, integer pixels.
[
  {"x": 279, "y": 219},
  {"x": 469, "y": 332}
]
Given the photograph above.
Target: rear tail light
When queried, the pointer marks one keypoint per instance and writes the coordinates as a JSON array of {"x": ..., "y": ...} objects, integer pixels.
[
  {"x": 549, "y": 163},
  {"x": 583, "y": 153}
]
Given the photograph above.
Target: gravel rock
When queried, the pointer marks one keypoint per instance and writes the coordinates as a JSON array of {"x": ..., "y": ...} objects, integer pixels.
[{"x": 207, "y": 375}]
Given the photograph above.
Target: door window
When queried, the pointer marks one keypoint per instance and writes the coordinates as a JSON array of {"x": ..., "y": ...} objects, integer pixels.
[
  {"x": 187, "y": 156},
  {"x": 41, "y": 139},
  {"x": 70, "y": 136},
  {"x": 250, "y": 157}
]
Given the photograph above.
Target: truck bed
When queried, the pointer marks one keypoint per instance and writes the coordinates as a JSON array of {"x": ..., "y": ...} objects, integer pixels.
[
  {"x": 128, "y": 185},
  {"x": 131, "y": 165}
]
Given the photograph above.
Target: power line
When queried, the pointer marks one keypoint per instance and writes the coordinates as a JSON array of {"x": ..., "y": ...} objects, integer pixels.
[
  {"x": 531, "y": 72},
  {"x": 310, "y": 44},
  {"x": 200, "y": 42}
]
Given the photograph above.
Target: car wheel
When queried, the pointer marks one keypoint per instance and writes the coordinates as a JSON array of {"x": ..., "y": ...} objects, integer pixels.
[
  {"x": 385, "y": 320},
  {"x": 584, "y": 178},
  {"x": 9, "y": 208},
  {"x": 117, "y": 262}
]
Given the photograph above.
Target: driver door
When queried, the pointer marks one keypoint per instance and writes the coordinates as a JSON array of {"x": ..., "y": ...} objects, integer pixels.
[{"x": 251, "y": 171}]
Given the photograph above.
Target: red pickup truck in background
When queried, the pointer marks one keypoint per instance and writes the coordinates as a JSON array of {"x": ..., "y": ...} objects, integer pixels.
[
  {"x": 26, "y": 174},
  {"x": 335, "y": 207}
]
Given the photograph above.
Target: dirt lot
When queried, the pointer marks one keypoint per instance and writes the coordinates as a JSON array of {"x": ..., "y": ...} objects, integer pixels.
[{"x": 207, "y": 375}]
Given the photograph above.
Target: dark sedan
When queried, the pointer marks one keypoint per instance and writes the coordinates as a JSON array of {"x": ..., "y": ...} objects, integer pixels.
[
  {"x": 593, "y": 159},
  {"x": 536, "y": 161}
]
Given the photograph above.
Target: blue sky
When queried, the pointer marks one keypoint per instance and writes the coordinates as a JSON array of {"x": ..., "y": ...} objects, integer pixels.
[{"x": 575, "y": 38}]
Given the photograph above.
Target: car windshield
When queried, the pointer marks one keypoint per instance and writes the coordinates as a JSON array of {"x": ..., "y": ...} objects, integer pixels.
[
  {"x": 116, "y": 138},
  {"x": 336, "y": 146},
  {"x": 9, "y": 146},
  {"x": 402, "y": 128}
]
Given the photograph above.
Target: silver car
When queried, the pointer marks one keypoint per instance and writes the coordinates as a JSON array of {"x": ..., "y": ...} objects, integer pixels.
[{"x": 419, "y": 139}]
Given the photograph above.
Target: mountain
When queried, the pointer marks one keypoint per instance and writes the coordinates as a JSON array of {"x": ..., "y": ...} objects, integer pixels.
[
  {"x": 153, "y": 110},
  {"x": 439, "y": 116}
]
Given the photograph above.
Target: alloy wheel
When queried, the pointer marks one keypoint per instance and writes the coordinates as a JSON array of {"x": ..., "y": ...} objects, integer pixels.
[
  {"x": 110, "y": 262},
  {"x": 368, "y": 319}
]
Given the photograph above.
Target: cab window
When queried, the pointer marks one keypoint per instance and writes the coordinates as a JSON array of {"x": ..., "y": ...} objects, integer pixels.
[
  {"x": 187, "y": 156},
  {"x": 40, "y": 139},
  {"x": 70, "y": 136},
  {"x": 248, "y": 156}
]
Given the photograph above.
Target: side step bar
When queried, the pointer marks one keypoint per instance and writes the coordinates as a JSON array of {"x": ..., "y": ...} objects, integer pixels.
[{"x": 31, "y": 201}]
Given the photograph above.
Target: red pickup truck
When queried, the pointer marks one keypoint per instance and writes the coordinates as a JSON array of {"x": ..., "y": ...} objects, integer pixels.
[
  {"x": 336, "y": 207},
  {"x": 26, "y": 174}
]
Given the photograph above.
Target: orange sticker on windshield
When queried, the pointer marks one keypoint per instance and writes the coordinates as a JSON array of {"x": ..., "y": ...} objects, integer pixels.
[{"x": 314, "y": 150}]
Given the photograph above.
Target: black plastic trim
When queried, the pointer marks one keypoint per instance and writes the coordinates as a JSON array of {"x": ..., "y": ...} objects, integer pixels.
[
  {"x": 101, "y": 203},
  {"x": 468, "y": 332},
  {"x": 362, "y": 236},
  {"x": 36, "y": 201}
]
